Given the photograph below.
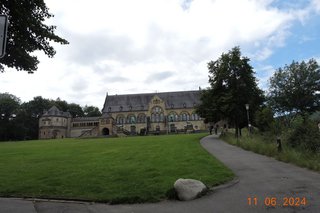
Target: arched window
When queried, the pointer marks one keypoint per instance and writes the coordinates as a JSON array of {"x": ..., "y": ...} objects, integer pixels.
[
  {"x": 157, "y": 114},
  {"x": 196, "y": 117},
  {"x": 184, "y": 116},
  {"x": 120, "y": 119},
  {"x": 193, "y": 117},
  {"x": 172, "y": 117},
  {"x": 131, "y": 119},
  {"x": 161, "y": 117},
  {"x": 141, "y": 118}
]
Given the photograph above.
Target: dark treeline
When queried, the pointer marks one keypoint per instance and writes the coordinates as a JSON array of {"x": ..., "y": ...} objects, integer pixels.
[{"x": 20, "y": 121}]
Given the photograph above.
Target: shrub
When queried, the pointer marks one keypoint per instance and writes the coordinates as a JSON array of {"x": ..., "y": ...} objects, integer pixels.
[
  {"x": 264, "y": 119},
  {"x": 306, "y": 135}
]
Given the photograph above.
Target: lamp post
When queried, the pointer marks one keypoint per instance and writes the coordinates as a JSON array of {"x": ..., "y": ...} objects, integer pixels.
[{"x": 247, "y": 108}]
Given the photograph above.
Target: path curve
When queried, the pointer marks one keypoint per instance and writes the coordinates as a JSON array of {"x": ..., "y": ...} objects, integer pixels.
[{"x": 258, "y": 176}]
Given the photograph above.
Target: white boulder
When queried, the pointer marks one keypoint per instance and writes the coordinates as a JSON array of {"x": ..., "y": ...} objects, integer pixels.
[{"x": 189, "y": 189}]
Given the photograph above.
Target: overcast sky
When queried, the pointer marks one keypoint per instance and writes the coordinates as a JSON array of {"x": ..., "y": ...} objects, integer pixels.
[{"x": 126, "y": 46}]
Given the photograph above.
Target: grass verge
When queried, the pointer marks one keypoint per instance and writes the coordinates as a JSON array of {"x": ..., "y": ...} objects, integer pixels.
[
  {"x": 115, "y": 170},
  {"x": 266, "y": 145}
]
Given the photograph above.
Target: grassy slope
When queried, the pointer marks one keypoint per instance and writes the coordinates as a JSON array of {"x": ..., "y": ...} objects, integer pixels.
[
  {"x": 135, "y": 169},
  {"x": 266, "y": 145}
]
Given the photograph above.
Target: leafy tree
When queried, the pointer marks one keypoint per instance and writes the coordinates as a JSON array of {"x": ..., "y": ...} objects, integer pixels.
[
  {"x": 91, "y": 111},
  {"x": 61, "y": 104},
  {"x": 29, "y": 115},
  {"x": 208, "y": 108},
  {"x": 232, "y": 85},
  {"x": 264, "y": 118},
  {"x": 36, "y": 106},
  {"x": 9, "y": 106},
  {"x": 75, "y": 110},
  {"x": 294, "y": 89},
  {"x": 27, "y": 33},
  {"x": 306, "y": 136}
]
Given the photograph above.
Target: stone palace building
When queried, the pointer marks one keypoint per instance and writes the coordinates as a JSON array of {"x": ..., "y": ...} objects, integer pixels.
[{"x": 148, "y": 113}]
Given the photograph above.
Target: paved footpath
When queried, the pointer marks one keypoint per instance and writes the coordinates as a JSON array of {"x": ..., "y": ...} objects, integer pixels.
[{"x": 258, "y": 177}]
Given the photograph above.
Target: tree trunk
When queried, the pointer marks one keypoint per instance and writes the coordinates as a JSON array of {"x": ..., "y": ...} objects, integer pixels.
[{"x": 237, "y": 129}]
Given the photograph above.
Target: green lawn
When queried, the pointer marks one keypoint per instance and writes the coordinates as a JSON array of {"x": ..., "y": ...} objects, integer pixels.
[{"x": 116, "y": 170}]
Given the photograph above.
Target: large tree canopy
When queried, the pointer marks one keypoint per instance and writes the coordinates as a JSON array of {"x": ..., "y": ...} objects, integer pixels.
[
  {"x": 9, "y": 106},
  {"x": 27, "y": 33},
  {"x": 233, "y": 85},
  {"x": 295, "y": 88}
]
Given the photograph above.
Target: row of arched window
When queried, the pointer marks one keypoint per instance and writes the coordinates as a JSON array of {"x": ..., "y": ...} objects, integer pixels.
[{"x": 157, "y": 116}]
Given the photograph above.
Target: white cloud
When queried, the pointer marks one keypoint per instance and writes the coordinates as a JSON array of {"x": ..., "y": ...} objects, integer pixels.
[
  {"x": 315, "y": 4},
  {"x": 117, "y": 46},
  {"x": 265, "y": 72}
]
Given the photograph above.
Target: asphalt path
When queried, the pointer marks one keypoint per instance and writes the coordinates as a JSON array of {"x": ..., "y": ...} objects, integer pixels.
[{"x": 263, "y": 184}]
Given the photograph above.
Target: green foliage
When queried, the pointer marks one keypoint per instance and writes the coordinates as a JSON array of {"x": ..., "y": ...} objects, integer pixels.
[
  {"x": 264, "y": 119},
  {"x": 21, "y": 121},
  {"x": 133, "y": 169},
  {"x": 277, "y": 127},
  {"x": 91, "y": 111},
  {"x": 265, "y": 144},
  {"x": 233, "y": 85},
  {"x": 27, "y": 33},
  {"x": 9, "y": 107},
  {"x": 306, "y": 136},
  {"x": 75, "y": 110},
  {"x": 254, "y": 142},
  {"x": 295, "y": 88}
]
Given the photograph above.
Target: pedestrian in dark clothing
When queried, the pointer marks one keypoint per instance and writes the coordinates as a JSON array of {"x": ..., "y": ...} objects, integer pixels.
[{"x": 211, "y": 128}]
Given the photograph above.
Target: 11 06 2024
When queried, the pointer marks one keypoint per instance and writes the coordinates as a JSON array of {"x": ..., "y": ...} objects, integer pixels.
[{"x": 275, "y": 201}]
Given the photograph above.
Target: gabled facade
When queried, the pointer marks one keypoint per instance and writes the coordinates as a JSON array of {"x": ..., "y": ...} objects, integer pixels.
[
  {"x": 148, "y": 113},
  {"x": 155, "y": 112}
]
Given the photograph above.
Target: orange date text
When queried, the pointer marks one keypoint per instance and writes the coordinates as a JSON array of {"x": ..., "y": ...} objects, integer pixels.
[{"x": 275, "y": 201}]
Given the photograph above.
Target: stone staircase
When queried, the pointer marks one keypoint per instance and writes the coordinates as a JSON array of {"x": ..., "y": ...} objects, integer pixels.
[
  {"x": 121, "y": 132},
  {"x": 90, "y": 133}
]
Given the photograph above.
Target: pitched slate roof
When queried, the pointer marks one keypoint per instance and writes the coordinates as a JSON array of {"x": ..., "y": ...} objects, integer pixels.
[
  {"x": 81, "y": 119},
  {"x": 139, "y": 102},
  {"x": 54, "y": 111}
]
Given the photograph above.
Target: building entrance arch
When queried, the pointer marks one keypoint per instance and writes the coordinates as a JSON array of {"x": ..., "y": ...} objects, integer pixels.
[{"x": 105, "y": 131}]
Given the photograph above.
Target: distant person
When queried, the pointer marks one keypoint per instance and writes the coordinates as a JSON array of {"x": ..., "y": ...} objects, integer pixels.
[
  {"x": 222, "y": 131},
  {"x": 216, "y": 129},
  {"x": 211, "y": 128}
]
